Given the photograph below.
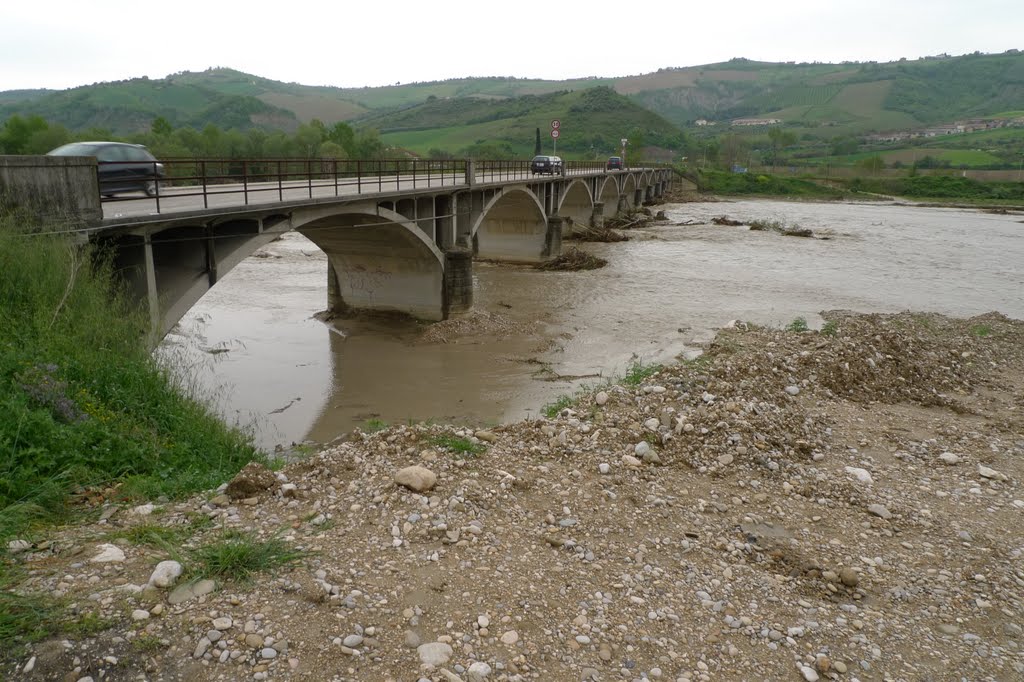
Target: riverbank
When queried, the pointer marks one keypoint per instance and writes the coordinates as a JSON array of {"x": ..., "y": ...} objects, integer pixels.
[{"x": 792, "y": 505}]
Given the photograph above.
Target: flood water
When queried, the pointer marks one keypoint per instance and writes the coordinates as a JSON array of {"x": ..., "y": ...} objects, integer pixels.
[{"x": 254, "y": 347}]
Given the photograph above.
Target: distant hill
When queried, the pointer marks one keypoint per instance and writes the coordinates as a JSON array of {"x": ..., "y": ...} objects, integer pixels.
[
  {"x": 592, "y": 123},
  {"x": 815, "y": 101}
]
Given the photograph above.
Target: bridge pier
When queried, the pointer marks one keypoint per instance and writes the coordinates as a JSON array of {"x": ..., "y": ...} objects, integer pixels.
[
  {"x": 553, "y": 238},
  {"x": 597, "y": 215},
  {"x": 458, "y": 281}
]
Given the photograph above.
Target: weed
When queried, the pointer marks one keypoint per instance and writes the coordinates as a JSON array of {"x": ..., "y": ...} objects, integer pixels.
[
  {"x": 152, "y": 535},
  {"x": 830, "y": 328},
  {"x": 83, "y": 402},
  {"x": 24, "y": 618},
  {"x": 238, "y": 555},
  {"x": 552, "y": 409},
  {"x": 981, "y": 330},
  {"x": 457, "y": 444},
  {"x": 147, "y": 644},
  {"x": 375, "y": 425},
  {"x": 797, "y": 325},
  {"x": 638, "y": 372},
  {"x": 86, "y": 625}
]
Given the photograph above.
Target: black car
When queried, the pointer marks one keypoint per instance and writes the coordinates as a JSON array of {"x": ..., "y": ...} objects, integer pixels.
[
  {"x": 550, "y": 165},
  {"x": 122, "y": 167},
  {"x": 614, "y": 163}
]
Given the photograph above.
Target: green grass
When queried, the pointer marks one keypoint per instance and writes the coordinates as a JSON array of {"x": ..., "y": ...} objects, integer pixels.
[
  {"x": 799, "y": 324},
  {"x": 722, "y": 182},
  {"x": 83, "y": 405},
  {"x": 981, "y": 330},
  {"x": 552, "y": 409},
  {"x": 638, "y": 372},
  {"x": 457, "y": 444},
  {"x": 830, "y": 328},
  {"x": 375, "y": 425},
  {"x": 237, "y": 556}
]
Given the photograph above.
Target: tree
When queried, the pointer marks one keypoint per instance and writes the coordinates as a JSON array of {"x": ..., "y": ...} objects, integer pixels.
[
  {"x": 872, "y": 164},
  {"x": 161, "y": 127},
  {"x": 778, "y": 140},
  {"x": 17, "y": 132},
  {"x": 536, "y": 145}
]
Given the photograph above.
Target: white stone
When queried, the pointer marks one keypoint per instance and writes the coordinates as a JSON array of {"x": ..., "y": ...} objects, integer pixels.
[
  {"x": 165, "y": 574},
  {"x": 223, "y": 623},
  {"x": 862, "y": 475},
  {"x": 792, "y": 390},
  {"x": 641, "y": 448},
  {"x": 144, "y": 509},
  {"x": 18, "y": 546},
  {"x": 949, "y": 458},
  {"x": 601, "y": 398},
  {"x": 434, "y": 653},
  {"x": 630, "y": 461},
  {"x": 604, "y": 468},
  {"x": 809, "y": 674},
  {"x": 140, "y": 614},
  {"x": 479, "y": 671},
  {"x": 108, "y": 554},
  {"x": 417, "y": 478},
  {"x": 510, "y": 637},
  {"x": 652, "y": 423},
  {"x": 986, "y": 472},
  {"x": 880, "y": 511},
  {"x": 483, "y": 621}
]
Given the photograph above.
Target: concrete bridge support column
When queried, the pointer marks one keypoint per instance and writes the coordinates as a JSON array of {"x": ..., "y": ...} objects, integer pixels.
[
  {"x": 458, "y": 281},
  {"x": 648, "y": 194},
  {"x": 152, "y": 297},
  {"x": 597, "y": 215},
  {"x": 638, "y": 197},
  {"x": 623, "y": 206},
  {"x": 553, "y": 238},
  {"x": 335, "y": 303}
]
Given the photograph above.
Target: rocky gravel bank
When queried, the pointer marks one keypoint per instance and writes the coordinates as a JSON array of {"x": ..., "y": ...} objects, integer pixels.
[{"x": 841, "y": 504}]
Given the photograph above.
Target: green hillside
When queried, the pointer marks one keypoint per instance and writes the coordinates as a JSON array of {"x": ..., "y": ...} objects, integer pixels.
[
  {"x": 592, "y": 123},
  {"x": 827, "y": 111}
]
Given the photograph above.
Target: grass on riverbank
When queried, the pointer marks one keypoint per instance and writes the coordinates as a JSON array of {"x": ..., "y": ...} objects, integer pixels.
[
  {"x": 723, "y": 182},
  {"x": 941, "y": 187},
  {"x": 86, "y": 414}
]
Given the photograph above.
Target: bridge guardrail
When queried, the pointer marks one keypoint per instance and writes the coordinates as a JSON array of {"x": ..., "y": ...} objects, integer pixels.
[{"x": 264, "y": 180}]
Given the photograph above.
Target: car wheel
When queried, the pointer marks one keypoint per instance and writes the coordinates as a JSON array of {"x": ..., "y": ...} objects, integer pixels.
[{"x": 150, "y": 188}]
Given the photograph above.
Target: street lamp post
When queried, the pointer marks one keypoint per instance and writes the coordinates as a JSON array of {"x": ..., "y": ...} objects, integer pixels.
[{"x": 624, "y": 141}]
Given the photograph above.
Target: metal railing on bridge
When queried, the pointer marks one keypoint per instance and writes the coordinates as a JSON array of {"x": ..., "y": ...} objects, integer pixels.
[{"x": 260, "y": 181}]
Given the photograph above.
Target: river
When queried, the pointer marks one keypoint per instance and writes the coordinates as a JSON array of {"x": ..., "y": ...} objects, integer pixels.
[{"x": 253, "y": 347}]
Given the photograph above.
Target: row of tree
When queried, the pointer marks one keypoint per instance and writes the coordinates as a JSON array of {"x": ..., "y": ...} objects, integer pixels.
[{"x": 34, "y": 135}]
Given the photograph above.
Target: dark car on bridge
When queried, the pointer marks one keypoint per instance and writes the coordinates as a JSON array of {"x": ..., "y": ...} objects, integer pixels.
[
  {"x": 549, "y": 165},
  {"x": 121, "y": 167},
  {"x": 614, "y": 163}
]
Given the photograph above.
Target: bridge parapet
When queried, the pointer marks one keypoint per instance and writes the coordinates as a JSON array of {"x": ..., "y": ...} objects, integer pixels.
[{"x": 54, "y": 188}]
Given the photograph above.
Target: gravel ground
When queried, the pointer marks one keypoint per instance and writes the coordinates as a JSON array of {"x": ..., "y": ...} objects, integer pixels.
[{"x": 793, "y": 505}]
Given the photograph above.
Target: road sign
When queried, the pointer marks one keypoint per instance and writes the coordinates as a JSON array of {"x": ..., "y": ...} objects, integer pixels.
[
  {"x": 555, "y": 124},
  {"x": 554, "y": 133}
]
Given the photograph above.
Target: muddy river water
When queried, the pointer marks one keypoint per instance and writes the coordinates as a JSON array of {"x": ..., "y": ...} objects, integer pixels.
[{"x": 254, "y": 347}]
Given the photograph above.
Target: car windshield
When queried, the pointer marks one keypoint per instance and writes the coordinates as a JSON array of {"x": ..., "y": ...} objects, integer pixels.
[{"x": 540, "y": 158}]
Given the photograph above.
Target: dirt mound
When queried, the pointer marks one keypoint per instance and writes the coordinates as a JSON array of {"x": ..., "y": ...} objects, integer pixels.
[{"x": 475, "y": 322}]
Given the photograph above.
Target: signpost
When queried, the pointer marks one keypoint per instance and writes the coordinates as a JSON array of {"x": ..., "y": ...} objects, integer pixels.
[
  {"x": 555, "y": 125},
  {"x": 624, "y": 141}
]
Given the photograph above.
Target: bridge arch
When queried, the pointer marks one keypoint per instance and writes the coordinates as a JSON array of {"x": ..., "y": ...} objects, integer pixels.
[
  {"x": 576, "y": 205},
  {"x": 608, "y": 195},
  {"x": 378, "y": 260},
  {"x": 512, "y": 227}
]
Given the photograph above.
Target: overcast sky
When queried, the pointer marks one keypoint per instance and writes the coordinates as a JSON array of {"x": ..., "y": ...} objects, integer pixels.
[{"x": 61, "y": 44}]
